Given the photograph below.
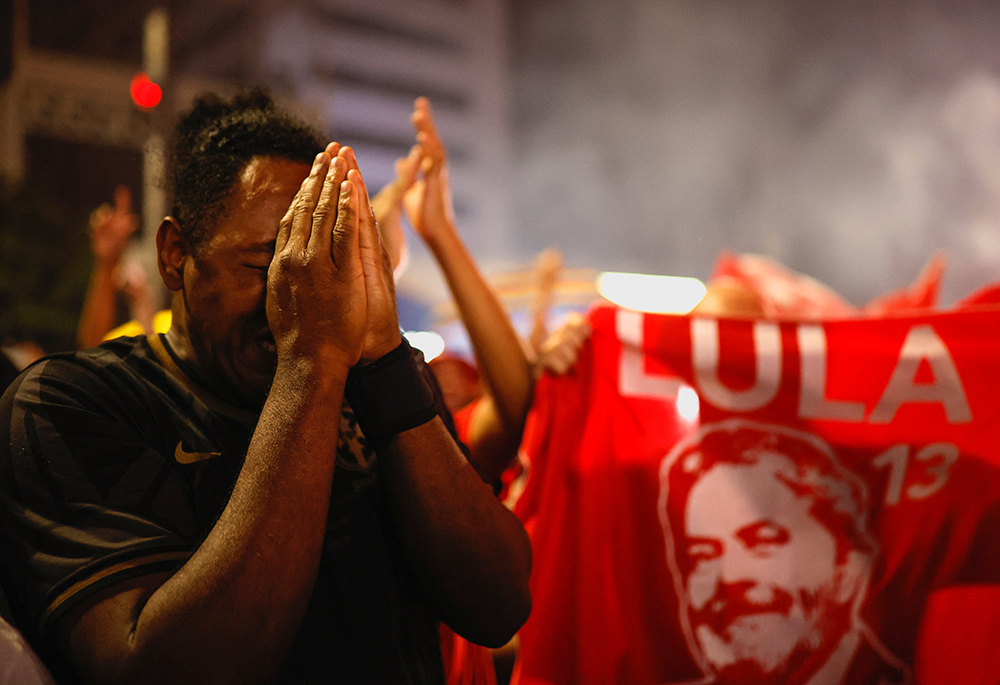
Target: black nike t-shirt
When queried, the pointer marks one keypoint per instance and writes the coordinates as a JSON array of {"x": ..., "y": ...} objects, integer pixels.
[{"x": 115, "y": 464}]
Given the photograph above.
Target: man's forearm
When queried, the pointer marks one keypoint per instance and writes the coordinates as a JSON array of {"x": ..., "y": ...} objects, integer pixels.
[
  {"x": 98, "y": 314},
  {"x": 232, "y": 611},
  {"x": 470, "y": 554}
]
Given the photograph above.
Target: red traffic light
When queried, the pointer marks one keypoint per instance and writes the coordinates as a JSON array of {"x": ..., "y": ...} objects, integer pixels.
[{"x": 145, "y": 94}]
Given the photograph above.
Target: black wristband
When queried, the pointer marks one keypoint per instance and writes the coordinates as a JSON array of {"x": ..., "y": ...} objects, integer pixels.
[{"x": 390, "y": 396}]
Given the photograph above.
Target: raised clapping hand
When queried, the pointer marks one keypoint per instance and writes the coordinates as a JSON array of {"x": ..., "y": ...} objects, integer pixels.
[
  {"x": 330, "y": 291},
  {"x": 111, "y": 227},
  {"x": 560, "y": 351},
  {"x": 388, "y": 207},
  {"x": 428, "y": 203}
]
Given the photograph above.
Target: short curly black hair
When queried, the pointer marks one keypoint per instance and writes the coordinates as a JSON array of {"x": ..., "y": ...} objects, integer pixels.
[{"x": 216, "y": 139}]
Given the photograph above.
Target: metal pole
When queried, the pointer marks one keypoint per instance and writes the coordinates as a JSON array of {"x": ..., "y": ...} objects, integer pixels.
[
  {"x": 156, "y": 61},
  {"x": 12, "y": 146}
]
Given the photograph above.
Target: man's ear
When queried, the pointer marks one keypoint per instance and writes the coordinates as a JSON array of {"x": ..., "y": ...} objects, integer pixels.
[{"x": 171, "y": 252}]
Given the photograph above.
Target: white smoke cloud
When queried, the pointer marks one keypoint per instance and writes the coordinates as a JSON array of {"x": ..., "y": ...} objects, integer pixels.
[{"x": 850, "y": 141}]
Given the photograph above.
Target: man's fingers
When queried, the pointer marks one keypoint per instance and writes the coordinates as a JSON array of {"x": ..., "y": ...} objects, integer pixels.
[
  {"x": 345, "y": 249},
  {"x": 347, "y": 152},
  {"x": 305, "y": 202},
  {"x": 285, "y": 225},
  {"x": 366, "y": 219},
  {"x": 326, "y": 208},
  {"x": 372, "y": 247}
]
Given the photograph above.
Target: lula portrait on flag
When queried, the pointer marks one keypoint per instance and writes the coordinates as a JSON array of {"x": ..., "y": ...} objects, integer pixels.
[
  {"x": 720, "y": 500},
  {"x": 768, "y": 542}
]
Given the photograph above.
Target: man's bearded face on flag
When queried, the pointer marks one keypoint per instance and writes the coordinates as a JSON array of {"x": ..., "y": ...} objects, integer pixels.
[{"x": 768, "y": 594}]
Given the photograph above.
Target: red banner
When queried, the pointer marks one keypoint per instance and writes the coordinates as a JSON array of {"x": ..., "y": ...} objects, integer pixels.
[{"x": 725, "y": 501}]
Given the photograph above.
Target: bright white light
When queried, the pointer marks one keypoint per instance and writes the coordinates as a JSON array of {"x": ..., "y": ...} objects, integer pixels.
[
  {"x": 688, "y": 405},
  {"x": 428, "y": 342},
  {"x": 656, "y": 294}
]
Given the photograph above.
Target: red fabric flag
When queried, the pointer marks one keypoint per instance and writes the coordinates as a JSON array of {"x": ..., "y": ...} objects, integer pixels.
[
  {"x": 747, "y": 501},
  {"x": 921, "y": 294},
  {"x": 786, "y": 294},
  {"x": 783, "y": 293}
]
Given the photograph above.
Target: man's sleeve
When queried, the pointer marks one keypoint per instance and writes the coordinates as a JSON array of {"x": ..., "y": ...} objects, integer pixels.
[{"x": 85, "y": 502}]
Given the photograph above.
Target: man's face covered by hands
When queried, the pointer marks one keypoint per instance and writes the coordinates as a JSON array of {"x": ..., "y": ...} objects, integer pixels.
[
  {"x": 225, "y": 286},
  {"x": 767, "y": 593}
]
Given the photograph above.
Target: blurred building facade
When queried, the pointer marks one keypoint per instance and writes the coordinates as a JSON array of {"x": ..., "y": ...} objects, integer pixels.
[
  {"x": 848, "y": 140},
  {"x": 353, "y": 67}
]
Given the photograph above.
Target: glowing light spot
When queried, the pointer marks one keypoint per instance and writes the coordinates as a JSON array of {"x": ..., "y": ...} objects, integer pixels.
[
  {"x": 688, "y": 405},
  {"x": 428, "y": 342},
  {"x": 145, "y": 94},
  {"x": 647, "y": 293}
]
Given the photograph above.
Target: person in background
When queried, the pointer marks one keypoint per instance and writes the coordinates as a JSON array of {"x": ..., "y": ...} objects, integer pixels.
[
  {"x": 15, "y": 357},
  {"x": 19, "y": 665},
  {"x": 211, "y": 509},
  {"x": 460, "y": 381},
  {"x": 388, "y": 208},
  {"x": 559, "y": 351},
  {"x": 547, "y": 268},
  {"x": 421, "y": 186},
  {"x": 491, "y": 402},
  {"x": 496, "y": 421},
  {"x": 727, "y": 297},
  {"x": 8, "y": 370},
  {"x": 111, "y": 228}
]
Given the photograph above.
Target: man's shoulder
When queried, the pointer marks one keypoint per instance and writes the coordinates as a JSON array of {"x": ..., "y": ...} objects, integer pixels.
[
  {"x": 123, "y": 361},
  {"x": 104, "y": 390},
  {"x": 91, "y": 488}
]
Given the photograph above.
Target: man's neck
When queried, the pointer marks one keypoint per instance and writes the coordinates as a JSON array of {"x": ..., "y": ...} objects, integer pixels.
[
  {"x": 177, "y": 336},
  {"x": 175, "y": 367},
  {"x": 178, "y": 340}
]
